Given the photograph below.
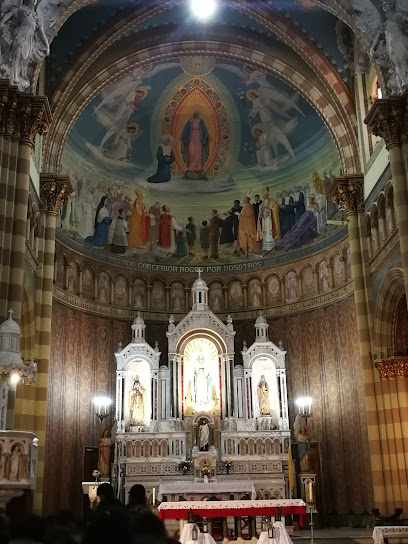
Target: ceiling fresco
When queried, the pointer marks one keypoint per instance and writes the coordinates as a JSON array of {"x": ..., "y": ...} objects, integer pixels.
[
  {"x": 83, "y": 27},
  {"x": 182, "y": 138}
]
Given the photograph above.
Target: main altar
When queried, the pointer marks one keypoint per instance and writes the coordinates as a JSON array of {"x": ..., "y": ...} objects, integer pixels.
[{"x": 199, "y": 426}]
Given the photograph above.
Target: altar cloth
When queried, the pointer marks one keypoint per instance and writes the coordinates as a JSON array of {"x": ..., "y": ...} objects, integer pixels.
[
  {"x": 223, "y": 509},
  {"x": 180, "y": 488},
  {"x": 384, "y": 531},
  {"x": 281, "y": 537}
]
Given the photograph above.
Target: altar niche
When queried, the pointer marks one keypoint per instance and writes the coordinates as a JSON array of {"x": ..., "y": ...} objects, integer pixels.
[{"x": 201, "y": 377}]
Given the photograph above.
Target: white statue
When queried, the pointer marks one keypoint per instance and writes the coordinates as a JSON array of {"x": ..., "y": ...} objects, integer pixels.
[
  {"x": 15, "y": 460},
  {"x": 204, "y": 435},
  {"x": 202, "y": 383},
  {"x": 137, "y": 403}
]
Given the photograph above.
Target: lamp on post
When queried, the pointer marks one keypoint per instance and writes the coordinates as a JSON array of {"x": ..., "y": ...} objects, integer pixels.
[
  {"x": 304, "y": 405},
  {"x": 102, "y": 407}
]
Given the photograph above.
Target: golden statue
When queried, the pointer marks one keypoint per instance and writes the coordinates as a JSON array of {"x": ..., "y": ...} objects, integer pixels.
[
  {"x": 136, "y": 403},
  {"x": 263, "y": 397}
]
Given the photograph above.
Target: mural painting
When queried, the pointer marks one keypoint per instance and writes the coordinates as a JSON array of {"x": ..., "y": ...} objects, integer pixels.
[{"x": 196, "y": 160}]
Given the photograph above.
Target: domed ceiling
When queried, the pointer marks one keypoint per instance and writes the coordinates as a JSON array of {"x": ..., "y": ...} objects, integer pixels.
[{"x": 189, "y": 135}]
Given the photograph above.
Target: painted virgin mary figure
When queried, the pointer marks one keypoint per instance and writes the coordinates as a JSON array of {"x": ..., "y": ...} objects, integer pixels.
[
  {"x": 263, "y": 397},
  {"x": 194, "y": 147},
  {"x": 136, "y": 403}
]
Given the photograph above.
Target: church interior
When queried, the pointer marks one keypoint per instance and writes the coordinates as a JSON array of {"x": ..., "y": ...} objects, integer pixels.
[{"x": 203, "y": 290}]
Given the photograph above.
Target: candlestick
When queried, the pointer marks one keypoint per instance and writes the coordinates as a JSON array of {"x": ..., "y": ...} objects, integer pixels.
[{"x": 154, "y": 495}]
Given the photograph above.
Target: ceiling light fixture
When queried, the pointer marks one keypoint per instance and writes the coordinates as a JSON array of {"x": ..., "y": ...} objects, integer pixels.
[{"x": 203, "y": 9}]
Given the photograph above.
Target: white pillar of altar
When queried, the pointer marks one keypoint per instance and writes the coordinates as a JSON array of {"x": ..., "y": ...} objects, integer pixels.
[
  {"x": 284, "y": 398},
  {"x": 120, "y": 380},
  {"x": 239, "y": 392}
]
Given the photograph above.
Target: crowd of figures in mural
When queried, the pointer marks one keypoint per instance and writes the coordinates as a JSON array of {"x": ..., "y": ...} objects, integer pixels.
[{"x": 108, "y": 218}]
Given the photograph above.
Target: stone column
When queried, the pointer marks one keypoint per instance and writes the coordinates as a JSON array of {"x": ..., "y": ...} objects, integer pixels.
[
  {"x": 388, "y": 118},
  {"x": 22, "y": 117},
  {"x": 349, "y": 193},
  {"x": 393, "y": 374}
]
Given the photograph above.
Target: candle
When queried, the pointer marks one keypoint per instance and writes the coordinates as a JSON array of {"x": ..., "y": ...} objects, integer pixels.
[
  {"x": 309, "y": 492},
  {"x": 154, "y": 495}
]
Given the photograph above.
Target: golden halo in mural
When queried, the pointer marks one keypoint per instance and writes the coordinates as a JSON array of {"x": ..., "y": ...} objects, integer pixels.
[{"x": 197, "y": 66}]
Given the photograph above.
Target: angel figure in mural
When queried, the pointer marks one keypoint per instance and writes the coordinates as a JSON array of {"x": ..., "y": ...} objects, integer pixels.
[
  {"x": 276, "y": 129},
  {"x": 28, "y": 41},
  {"x": 122, "y": 144},
  {"x": 137, "y": 403},
  {"x": 104, "y": 451},
  {"x": 303, "y": 444},
  {"x": 117, "y": 122},
  {"x": 263, "y": 397},
  {"x": 195, "y": 147}
]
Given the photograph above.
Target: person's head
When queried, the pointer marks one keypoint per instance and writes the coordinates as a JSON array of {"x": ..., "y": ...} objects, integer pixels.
[
  {"x": 133, "y": 128},
  {"x": 105, "y": 493},
  {"x": 165, "y": 209},
  {"x": 214, "y": 212},
  {"x": 256, "y": 198},
  {"x": 236, "y": 203},
  {"x": 190, "y": 219},
  {"x": 265, "y": 192},
  {"x": 204, "y": 223},
  {"x": 196, "y": 114},
  {"x": 252, "y": 95},
  {"x": 121, "y": 212},
  {"x": 137, "y": 494},
  {"x": 247, "y": 200}
]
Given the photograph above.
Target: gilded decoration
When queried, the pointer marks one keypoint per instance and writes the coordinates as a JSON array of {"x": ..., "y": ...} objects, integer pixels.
[
  {"x": 348, "y": 192},
  {"x": 54, "y": 191},
  {"x": 392, "y": 368},
  {"x": 388, "y": 118},
  {"x": 23, "y": 115}
]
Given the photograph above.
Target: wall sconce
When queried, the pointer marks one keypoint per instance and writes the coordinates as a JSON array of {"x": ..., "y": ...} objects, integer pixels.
[
  {"x": 304, "y": 405},
  {"x": 102, "y": 405}
]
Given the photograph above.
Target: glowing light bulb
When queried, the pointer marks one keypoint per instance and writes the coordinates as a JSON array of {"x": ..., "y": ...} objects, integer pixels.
[
  {"x": 14, "y": 378},
  {"x": 203, "y": 9}
]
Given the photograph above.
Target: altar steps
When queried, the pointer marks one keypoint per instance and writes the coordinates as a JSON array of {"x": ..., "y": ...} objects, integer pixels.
[{"x": 335, "y": 536}]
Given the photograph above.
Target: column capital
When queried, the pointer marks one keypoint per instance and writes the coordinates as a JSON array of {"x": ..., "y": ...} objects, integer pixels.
[
  {"x": 392, "y": 368},
  {"x": 54, "y": 191},
  {"x": 348, "y": 192},
  {"x": 388, "y": 118},
  {"x": 23, "y": 115}
]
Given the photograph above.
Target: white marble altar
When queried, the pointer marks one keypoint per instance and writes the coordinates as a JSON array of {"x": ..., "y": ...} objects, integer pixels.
[{"x": 207, "y": 489}]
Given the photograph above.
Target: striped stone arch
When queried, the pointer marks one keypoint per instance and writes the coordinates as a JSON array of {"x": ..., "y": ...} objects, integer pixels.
[
  {"x": 391, "y": 291},
  {"x": 341, "y": 131}
]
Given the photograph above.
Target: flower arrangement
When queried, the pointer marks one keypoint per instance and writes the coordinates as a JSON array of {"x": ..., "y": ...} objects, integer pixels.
[
  {"x": 184, "y": 465},
  {"x": 205, "y": 471},
  {"x": 228, "y": 464}
]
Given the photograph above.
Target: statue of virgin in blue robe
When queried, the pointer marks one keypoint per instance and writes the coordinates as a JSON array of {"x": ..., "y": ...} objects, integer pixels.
[{"x": 194, "y": 147}]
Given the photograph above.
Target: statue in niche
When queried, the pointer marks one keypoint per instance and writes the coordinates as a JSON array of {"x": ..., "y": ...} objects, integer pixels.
[
  {"x": 104, "y": 450},
  {"x": 2, "y": 464},
  {"x": 291, "y": 287},
  {"x": 323, "y": 276},
  {"x": 202, "y": 383},
  {"x": 139, "y": 295},
  {"x": 216, "y": 297},
  {"x": 177, "y": 297},
  {"x": 15, "y": 461},
  {"x": 255, "y": 294},
  {"x": 204, "y": 435},
  {"x": 263, "y": 397},
  {"x": 303, "y": 445},
  {"x": 72, "y": 274},
  {"x": 136, "y": 403}
]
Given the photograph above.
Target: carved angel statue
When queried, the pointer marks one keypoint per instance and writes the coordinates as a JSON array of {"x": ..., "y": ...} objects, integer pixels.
[
  {"x": 385, "y": 35},
  {"x": 25, "y": 34}
]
